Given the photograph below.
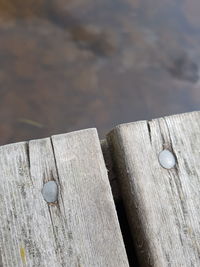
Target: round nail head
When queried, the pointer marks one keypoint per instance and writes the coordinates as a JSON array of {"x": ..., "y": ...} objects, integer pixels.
[
  {"x": 50, "y": 191},
  {"x": 167, "y": 159}
]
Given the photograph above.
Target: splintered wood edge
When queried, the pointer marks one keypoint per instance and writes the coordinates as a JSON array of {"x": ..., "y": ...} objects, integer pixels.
[{"x": 111, "y": 170}]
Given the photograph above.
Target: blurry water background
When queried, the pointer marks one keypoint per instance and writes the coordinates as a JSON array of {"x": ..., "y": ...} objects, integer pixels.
[{"x": 72, "y": 64}]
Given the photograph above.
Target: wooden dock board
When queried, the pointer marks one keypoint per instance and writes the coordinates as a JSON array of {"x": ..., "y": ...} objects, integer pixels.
[
  {"x": 163, "y": 205},
  {"x": 79, "y": 230}
]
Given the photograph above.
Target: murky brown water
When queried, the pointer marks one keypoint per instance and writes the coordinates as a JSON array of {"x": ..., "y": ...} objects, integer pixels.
[{"x": 72, "y": 64}]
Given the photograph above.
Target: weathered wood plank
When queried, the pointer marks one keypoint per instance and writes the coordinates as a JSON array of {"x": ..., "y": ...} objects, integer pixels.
[
  {"x": 81, "y": 228},
  {"x": 163, "y": 205}
]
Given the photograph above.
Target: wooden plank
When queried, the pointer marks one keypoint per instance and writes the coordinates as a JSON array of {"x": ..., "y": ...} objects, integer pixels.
[
  {"x": 81, "y": 228},
  {"x": 163, "y": 205}
]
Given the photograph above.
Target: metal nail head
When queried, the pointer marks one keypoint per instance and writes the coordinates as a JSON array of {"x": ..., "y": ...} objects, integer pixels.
[
  {"x": 167, "y": 159},
  {"x": 50, "y": 191}
]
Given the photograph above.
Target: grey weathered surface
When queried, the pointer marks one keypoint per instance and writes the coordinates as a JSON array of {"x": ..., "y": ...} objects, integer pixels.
[
  {"x": 163, "y": 205},
  {"x": 81, "y": 229}
]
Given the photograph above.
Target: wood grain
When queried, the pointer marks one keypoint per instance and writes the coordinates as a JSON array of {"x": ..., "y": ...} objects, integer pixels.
[
  {"x": 163, "y": 205},
  {"x": 81, "y": 228}
]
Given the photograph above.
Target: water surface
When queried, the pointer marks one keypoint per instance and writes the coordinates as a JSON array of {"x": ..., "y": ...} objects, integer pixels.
[{"x": 72, "y": 64}]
